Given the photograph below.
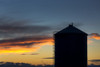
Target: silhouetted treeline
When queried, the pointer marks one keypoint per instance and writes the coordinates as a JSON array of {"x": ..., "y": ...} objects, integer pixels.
[
  {"x": 10, "y": 64},
  {"x": 92, "y": 65}
]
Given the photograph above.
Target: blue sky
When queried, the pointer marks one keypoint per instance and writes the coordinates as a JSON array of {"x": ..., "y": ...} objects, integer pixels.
[{"x": 54, "y": 12}]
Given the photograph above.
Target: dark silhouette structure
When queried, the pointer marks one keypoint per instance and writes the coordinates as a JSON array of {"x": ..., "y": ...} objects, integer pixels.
[{"x": 70, "y": 48}]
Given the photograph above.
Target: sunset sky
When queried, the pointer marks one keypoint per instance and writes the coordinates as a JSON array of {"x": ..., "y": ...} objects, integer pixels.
[{"x": 27, "y": 28}]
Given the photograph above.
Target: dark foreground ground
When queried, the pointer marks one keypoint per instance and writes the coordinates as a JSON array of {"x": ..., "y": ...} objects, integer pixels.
[{"x": 10, "y": 64}]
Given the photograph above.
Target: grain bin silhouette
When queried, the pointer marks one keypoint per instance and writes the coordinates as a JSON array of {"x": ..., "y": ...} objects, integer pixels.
[{"x": 70, "y": 47}]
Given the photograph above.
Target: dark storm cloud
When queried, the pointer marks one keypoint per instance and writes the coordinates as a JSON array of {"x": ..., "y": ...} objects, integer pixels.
[{"x": 49, "y": 58}]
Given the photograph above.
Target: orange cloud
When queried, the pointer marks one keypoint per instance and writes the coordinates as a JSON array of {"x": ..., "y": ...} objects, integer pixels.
[
  {"x": 24, "y": 44},
  {"x": 94, "y": 36},
  {"x": 19, "y": 50}
]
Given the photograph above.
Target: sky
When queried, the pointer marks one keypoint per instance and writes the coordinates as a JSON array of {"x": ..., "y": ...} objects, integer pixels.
[{"x": 27, "y": 28}]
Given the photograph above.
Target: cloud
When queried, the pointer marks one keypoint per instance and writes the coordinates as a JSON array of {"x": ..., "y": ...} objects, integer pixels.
[
  {"x": 22, "y": 29},
  {"x": 23, "y": 54},
  {"x": 20, "y": 36},
  {"x": 24, "y": 44},
  {"x": 34, "y": 54},
  {"x": 94, "y": 36},
  {"x": 97, "y": 60},
  {"x": 24, "y": 41},
  {"x": 31, "y": 54},
  {"x": 11, "y": 64},
  {"x": 49, "y": 58},
  {"x": 10, "y": 27}
]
